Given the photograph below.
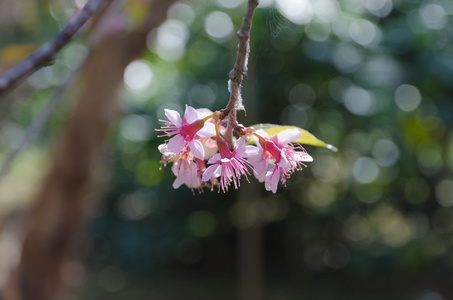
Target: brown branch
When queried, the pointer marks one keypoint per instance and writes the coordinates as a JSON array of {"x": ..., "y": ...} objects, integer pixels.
[
  {"x": 238, "y": 71},
  {"x": 46, "y": 52}
]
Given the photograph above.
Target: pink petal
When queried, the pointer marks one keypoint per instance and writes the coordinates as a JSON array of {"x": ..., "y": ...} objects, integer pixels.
[
  {"x": 197, "y": 149},
  {"x": 209, "y": 171},
  {"x": 218, "y": 172},
  {"x": 191, "y": 114},
  {"x": 173, "y": 116},
  {"x": 194, "y": 182},
  {"x": 207, "y": 131},
  {"x": 275, "y": 179},
  {"x": 267, "y": 182},
  {"x": 260, "y": 169},
  {"x": 287, "y": 136},
  {"x": 272, "y": 178},
  {"x": 163, "y": 149},
  {"x": 215, "y": 158},
  {"x": 275, "y": 185},
  {"x": 176, "y": 144},
  {"x": 175, "y": 168},
  {"x": 251, "y": 151},
  {"x": 240, "y": 143},
  {"x": 262, "y": 133},
  {"x": 203, "y": 113},
  {"x": 192, "y": 179},
  {"x": 210, "y": 148},
  {"x": 241, "y": 150},
  {"x": 257, "y": 157},
  {"x": 178, "y": 182},
  {"x": 283, "y": 160}
]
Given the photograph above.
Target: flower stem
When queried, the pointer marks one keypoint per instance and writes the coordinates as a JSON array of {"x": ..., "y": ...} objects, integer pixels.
[
  {"x": 207, "y": 118},
  {"x": 217, "y": 128},
  {"x": 239, "y": 69}
]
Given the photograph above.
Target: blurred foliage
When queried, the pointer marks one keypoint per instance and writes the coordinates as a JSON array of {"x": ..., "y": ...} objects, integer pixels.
[{"x": 371, "y": 221}]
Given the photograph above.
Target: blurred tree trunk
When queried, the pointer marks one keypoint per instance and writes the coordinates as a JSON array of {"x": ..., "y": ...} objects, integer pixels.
[{"x": 70, "y": 186}]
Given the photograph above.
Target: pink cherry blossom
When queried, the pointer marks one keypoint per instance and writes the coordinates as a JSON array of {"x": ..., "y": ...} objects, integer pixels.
[
  {"x": 186, "y": 171},
  {"x": 277, "y": 158},
  {"x": 187, "y": 131},
  {"x": 230, "y": 166}
]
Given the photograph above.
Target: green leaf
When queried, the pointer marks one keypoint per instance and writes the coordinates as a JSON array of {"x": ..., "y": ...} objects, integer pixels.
[{"x": 306, "y": 138}]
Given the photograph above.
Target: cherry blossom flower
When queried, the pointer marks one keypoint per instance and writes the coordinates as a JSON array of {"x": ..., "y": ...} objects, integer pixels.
[
  {"x": 277, "y": 158},
  {"x": 230, "y": 166},
  {"x": 186, "y": 171},
  {"x": 187, "y": 131},
  {"x": 197, "y": 137}
]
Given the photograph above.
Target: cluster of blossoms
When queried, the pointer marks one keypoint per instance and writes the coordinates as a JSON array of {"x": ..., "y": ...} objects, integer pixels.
[{"x": 197, "y": 138}]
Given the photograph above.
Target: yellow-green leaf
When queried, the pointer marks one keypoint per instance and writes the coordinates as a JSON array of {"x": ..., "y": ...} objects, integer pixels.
[{"x": 306, "y": 138}]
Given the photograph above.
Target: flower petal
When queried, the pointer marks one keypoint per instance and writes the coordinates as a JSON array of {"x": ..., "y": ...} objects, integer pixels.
[
  {"x": 251, "y": 151},
  {"x": 240, "y": 142},
  {"x": 210, "y": 148},
  {"x": 283, "y": 159},
  {"x": 267, "y": 182},
  {"x": 163, "y": 148},
  {"x": 197, "y": 149},
  {"x": 274, "y": 183},
  {"x": 175, "y": 168},
  {"x": 209, "y": 171},
  {"x": 215, "y": 158},
  {"x": 176, "y": 144},
  {"x": 287, "y": 136},
  {"x": 203, "y": 113},
  {"x": 262, "y": 133},
  {"x": 260, "y": 169},
  {"x": 191, "y": 114},
  {"x": 257, "y": 157},
  {"x": 240, "y": 148},
  {"x": 173, "y": 116},
  {"x": 272, "y": 178},
  {"x": 207, "y": 131},
  {"x": 218, "y": 172},
  {"x": 192, "y": 180},
  {"x": 178, "y": 182}
]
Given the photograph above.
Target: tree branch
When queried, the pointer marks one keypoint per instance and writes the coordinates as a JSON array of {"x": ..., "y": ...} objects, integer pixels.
[
  {"x": 47, "y": 51},
  {"x": 238, "y": 71}
]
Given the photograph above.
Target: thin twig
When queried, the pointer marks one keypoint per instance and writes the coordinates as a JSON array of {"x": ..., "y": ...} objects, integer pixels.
[
  {"x": 238, "y": 71},
  {"x": 46, "y": 52}
]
